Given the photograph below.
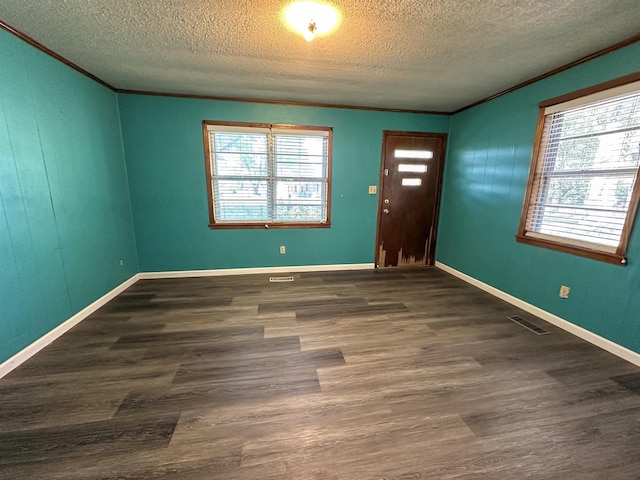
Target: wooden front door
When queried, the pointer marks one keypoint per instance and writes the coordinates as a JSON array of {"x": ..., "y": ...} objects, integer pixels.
[{"x": 411, "y": 177}]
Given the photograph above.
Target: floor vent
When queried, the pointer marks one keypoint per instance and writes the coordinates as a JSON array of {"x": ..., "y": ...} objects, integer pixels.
[
  {"x": 528, "y": 325},
  {"x": 280, "y": 279}
]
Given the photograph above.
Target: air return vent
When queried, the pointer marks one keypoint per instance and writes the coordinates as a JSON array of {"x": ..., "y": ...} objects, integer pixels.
[
  {"x": 280, "y": 279},
  {"x": 523, "y": 322}
]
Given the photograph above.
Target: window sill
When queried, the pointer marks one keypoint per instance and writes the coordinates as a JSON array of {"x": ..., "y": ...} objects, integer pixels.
[
  {"x": 607, "y": 257},
  {"x": 267, "y": 226}
]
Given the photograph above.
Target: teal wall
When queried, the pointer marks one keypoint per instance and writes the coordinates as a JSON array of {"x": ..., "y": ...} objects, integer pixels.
[
  {"x": 165, "y": 160},
  {"x": 485, "y": 177},
  {"x": 65, "y": 218}
]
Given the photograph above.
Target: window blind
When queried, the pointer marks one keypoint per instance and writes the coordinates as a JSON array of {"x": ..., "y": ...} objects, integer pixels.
[
  {"x": 586, "y": 169},
  {"x": 241, "y": 180},
  {"x": 300, "y": 177}
]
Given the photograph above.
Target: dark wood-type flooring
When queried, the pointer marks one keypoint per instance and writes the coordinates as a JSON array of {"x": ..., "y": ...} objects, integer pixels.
[{"x": 395, "y": 374}]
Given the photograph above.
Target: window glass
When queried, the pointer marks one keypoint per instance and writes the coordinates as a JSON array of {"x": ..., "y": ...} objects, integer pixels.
[
  {"x": 582, "y": 190},
  {"x": 258, "y": 176}
]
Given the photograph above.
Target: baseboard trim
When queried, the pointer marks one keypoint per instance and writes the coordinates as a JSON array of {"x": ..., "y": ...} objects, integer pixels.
[
  {"x": 253, "y": 271},
  {"x": 30, "y": 350},
  {"x": 595, "y": 339}
]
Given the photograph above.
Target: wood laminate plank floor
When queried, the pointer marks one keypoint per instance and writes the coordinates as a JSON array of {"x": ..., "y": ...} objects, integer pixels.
[{"x": 391, "y": 374}]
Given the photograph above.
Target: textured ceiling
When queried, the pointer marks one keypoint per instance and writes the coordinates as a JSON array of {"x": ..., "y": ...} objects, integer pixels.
[{"x": 437, "y": 55}]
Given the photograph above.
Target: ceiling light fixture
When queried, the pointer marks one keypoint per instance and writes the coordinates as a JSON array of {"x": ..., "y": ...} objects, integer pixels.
[
  {"x": 311, "y": 19},
  {"x": 311, "y": 31}
]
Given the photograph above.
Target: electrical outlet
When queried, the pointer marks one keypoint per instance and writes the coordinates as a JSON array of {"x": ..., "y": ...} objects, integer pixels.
[
  {"x": 564, "y": 291},
  {"x": 373, "y": 189},
  {"x": 282, "y": 250}
]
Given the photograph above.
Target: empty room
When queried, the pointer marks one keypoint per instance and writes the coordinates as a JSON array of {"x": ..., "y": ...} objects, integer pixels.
[{"x": 333, "y": 240}]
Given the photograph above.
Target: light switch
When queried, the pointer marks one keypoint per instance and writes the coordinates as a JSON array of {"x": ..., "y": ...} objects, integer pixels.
[{"x": 373, "y": 189}]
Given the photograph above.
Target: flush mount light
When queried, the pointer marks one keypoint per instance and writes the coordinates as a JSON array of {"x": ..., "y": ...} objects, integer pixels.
[{"x": 311, "y": 18}]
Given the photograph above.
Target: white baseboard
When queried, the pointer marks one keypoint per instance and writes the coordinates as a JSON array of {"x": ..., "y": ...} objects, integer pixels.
[
  {"x": 608, "y": 345},
  {"x": 30, "y": 350},
  {"x": 252, "y": 271}
]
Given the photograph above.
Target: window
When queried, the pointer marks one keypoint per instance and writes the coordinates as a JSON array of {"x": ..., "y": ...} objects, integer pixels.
[
  {"x": 262, "y": 175},
  {"x": 582, "y": 193}
]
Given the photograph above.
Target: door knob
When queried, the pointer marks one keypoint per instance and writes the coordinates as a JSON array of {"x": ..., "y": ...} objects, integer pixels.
[{"x": 386, "y": 210}]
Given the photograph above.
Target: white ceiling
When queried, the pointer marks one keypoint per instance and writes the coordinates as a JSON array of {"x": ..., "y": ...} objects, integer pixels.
[{"x": 435, "y": 55}]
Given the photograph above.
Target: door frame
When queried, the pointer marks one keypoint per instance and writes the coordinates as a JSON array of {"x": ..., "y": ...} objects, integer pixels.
[{"x": 430, "y": 258}]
